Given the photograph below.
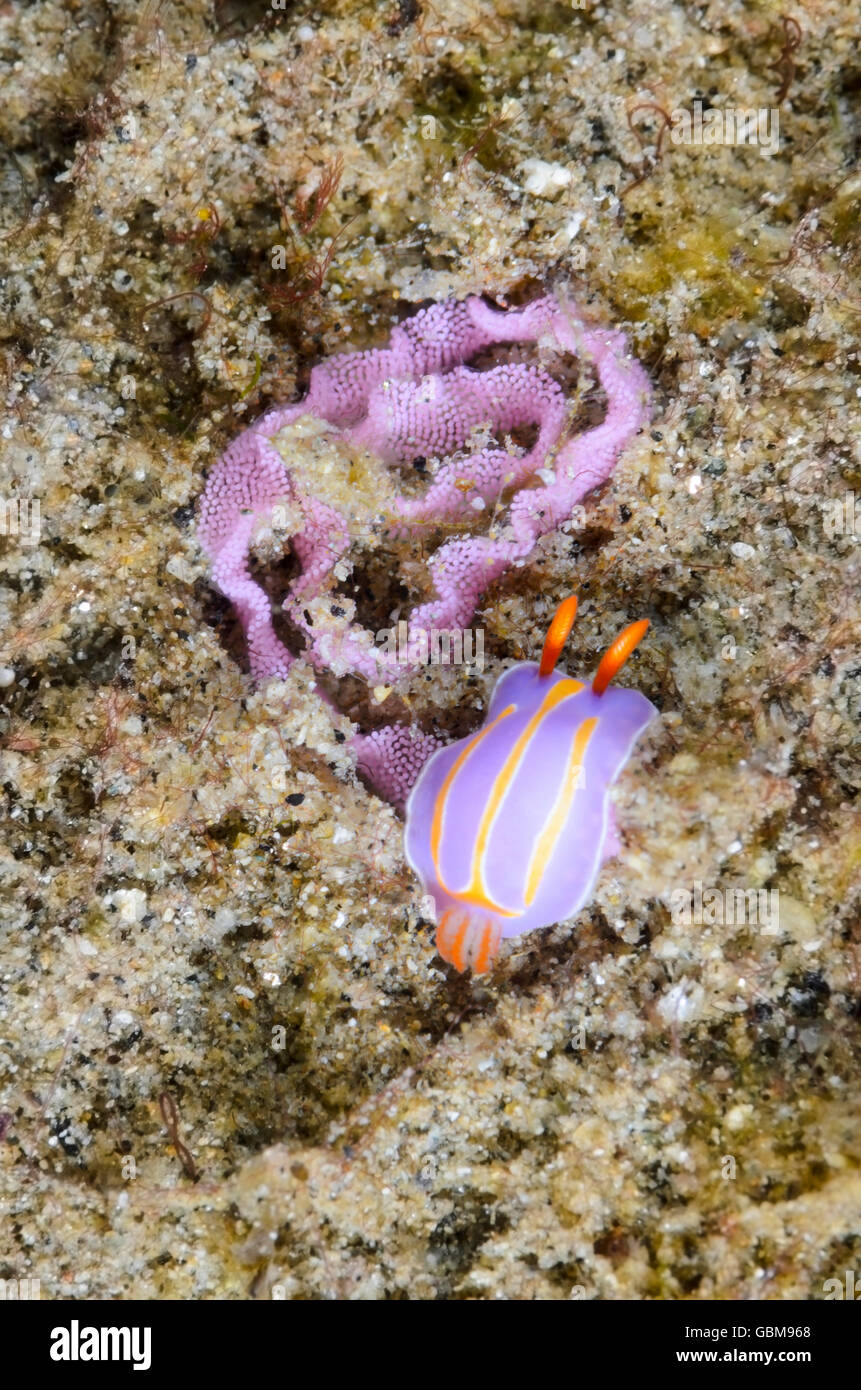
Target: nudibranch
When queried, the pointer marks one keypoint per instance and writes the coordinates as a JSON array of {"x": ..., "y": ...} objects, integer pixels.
[{"x": 507, "y": 828}]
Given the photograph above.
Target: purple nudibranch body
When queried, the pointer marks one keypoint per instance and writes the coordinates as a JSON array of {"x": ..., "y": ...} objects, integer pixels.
[{"x": 507, "y": 828}]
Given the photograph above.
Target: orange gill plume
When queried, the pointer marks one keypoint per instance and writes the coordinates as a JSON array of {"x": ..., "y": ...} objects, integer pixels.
[{"x": 467, "y": 937}]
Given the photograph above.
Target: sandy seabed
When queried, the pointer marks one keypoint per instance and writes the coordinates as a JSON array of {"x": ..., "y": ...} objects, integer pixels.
[{"x": 233, "y": 1065}]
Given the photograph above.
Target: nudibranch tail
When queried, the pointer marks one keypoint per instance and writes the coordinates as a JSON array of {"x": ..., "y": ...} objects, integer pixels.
[
  {"x": 617, "y": 654},
  {"x": 466, "y": 939}
]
